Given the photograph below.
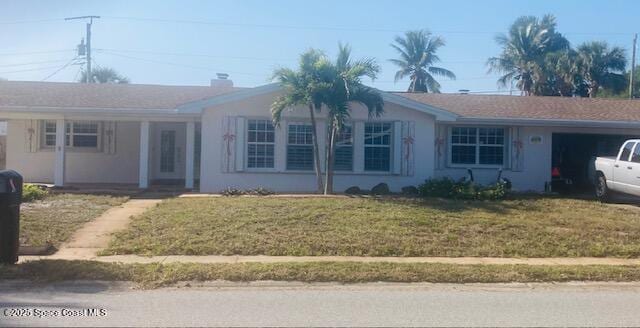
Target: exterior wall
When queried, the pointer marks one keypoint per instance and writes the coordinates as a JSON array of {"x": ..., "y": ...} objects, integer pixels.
[
  {"x": 80, "y": 166},
  {"x": 536, "y": 162},
  {"x": 213, "y": 179}
]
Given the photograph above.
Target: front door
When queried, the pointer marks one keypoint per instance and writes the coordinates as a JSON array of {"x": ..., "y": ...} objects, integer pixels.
[{"x": 169, "y": 151}]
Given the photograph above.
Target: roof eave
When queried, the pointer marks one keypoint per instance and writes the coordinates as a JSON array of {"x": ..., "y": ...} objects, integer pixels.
[{"x": 551, "y": 122}]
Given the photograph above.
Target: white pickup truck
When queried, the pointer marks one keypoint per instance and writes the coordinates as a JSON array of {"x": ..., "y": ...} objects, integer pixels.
[{"x": 620, "y": 173}]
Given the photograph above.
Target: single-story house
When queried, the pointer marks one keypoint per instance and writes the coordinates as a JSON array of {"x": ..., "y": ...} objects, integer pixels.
[{"x": 219, "y": 136}]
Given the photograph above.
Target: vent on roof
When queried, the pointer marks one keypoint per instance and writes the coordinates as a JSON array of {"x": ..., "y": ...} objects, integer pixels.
[{"x": 222, "y": 80}]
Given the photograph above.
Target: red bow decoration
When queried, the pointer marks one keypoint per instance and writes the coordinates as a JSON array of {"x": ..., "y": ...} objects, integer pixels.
[
  {"x": 408, "y": 141},
  {"x": 439, "y": 142}
]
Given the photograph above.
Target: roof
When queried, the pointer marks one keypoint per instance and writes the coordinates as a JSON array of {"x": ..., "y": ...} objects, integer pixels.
[
  {"x": 191, "y": 99},
  {"x": 81, "y": 95},
  {"x": 531, "y": 107}
]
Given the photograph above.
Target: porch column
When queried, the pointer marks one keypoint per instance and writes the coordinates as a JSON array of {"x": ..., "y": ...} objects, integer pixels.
[
  {"x": 191, "y": 135},
  {"x": 143, "y": 175},
  {"x": 58, "y": 172}
]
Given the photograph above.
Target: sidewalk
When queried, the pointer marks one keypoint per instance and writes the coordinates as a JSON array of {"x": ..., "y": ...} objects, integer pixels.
[
  {"x": 216, "y": 259},
  {"x": 96, "y": 234}
]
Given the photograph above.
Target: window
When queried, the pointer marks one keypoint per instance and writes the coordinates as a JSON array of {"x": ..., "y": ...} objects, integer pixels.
[
  {"x": 377, "y": 146},
  {"x": 635, "y": 156},
  {"x": 626, "y": 151},
  {"x": 260, "y": 144},
  {"x": 477, "y": 146},
  {"x": 80, "y": 134},
  {"x": 343, "y": 157},
  {"x": 49, "y": 133},
  {"x": 300, "y": 146}
]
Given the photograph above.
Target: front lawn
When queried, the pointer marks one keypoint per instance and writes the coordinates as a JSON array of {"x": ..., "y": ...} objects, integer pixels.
[
  {"x": 157, "y": 274},
  {"x": 530, "y": 227},
  {"x": 53, "y": 219}
]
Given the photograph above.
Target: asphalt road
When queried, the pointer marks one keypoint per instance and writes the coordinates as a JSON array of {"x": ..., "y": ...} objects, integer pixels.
[{"x": 278, "y": 304}]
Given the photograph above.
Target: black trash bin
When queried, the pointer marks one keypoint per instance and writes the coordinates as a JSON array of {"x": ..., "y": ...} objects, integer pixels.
[{"x": 10, "y": 199}]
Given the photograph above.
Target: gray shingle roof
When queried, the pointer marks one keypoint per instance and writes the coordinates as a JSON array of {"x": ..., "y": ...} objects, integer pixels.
[
  {"x": 80, "y": 95},
  {"x": 516, "y": 107}
]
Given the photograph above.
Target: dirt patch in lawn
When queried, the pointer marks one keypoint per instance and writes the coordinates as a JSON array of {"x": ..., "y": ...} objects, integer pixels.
[
  {"x": 53, "y": 219},
  {"x": 530, "y": 227}
]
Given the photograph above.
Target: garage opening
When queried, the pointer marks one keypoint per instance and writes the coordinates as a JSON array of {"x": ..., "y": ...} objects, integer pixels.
[{"x": 573, "y": 156}]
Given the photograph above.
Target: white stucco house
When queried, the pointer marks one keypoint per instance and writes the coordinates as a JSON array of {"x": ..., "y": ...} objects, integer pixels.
[{"x": 218, "y": 136}]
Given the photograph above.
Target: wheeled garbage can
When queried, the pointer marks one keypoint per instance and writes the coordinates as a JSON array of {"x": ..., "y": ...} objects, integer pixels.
[{"x": 10, "y": 200}]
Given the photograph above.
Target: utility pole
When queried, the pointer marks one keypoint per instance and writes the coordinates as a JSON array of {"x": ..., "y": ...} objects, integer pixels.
[
  {"x": 633, "y": 65},
  {"x": 88, "y": 46}
]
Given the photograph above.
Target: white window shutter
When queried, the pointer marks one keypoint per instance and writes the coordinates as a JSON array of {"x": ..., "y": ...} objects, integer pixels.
[
  {"x": 517, "y": 149},
  {"x": 397, "y": 147},
  {"x": 408, "y": 147},
  {"x": 32, "y": 135},
  {"x": 358, "y": 147},
  {"x": 228, "y": 145},
  {"x": 240, "y": 143},
  {"x": 109, "y": 137}
]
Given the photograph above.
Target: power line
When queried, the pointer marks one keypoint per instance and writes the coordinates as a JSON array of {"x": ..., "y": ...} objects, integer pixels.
[
  {"x": 192, "y": 55},
  {"x": 332, "y": 28},
  {"x": 34, "y": 63},
  {"x": 46, "y": 20},
  {"x": 60, "y": 69},
  {"x": 35, "y": 52},
  {"x": 242, "y": 57},
  {"x": 178, "y": 64},
  {"x": 30, "y": 70}
]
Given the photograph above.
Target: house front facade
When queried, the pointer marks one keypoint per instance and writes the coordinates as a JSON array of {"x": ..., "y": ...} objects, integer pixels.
[{"x": 213, "y": 137}]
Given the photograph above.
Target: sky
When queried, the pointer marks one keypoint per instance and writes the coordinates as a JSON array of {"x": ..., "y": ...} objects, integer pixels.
[{"x": 188, "y": 42}]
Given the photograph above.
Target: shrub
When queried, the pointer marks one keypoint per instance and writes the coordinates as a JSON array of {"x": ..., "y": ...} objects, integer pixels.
[
  {"x": 260, "y": 191},
  {"x": 31, "y": 192},
  {"x": 409, "y": 191},
  {"x": 380, "y": 189},
  {"x": 463, "y": 189},
  {"x": 230, "y": 191},
  {"x": 355, "y": 190}
]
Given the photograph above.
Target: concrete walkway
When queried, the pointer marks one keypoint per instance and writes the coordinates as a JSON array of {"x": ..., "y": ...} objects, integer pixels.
[
  {"x": 96, "y": 234},
  {"x": 218, "y": 259}
]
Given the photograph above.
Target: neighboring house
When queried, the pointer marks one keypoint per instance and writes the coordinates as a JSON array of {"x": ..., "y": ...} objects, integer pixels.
[{"x": 221, "y": 136}]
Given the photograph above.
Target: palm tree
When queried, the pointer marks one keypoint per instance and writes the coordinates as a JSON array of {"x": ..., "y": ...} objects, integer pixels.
[
  {"x": 601, "y": 66},
  {"x": 345, "y": 80},
  {"x": 524, "y": 53},
  {"x": 417, "y": 51},
  {"x": 302, "y": 88},
  {"x": 104, "y": 75}
]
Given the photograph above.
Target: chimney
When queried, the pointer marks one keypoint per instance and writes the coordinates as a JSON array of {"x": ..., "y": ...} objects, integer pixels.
[{"x": 222, "y": 81}]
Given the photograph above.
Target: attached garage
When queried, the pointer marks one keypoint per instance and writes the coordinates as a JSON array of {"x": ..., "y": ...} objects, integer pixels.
[{"x": 573, "y": 155}]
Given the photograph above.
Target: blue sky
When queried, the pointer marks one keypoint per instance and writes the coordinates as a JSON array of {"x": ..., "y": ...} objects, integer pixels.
[{"x": 248, "y": 39}]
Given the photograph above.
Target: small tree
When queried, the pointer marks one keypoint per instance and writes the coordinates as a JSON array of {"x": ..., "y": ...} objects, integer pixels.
[
  {"x": 302, "y": 88},
  {"x": 104, "y": 75},
  {"x": 345, "y": 77}
]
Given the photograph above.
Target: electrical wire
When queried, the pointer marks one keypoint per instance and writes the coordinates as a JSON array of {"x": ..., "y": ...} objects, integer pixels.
[
  {"x": 35, "y": 52},
  {"x": 178, "y": 64},
  {"x": 35, "y": 63},
  {"x": 60, "y": 69}
]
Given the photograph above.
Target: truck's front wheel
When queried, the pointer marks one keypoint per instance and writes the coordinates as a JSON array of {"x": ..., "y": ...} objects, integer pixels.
[{"x": 602, "y": 191}]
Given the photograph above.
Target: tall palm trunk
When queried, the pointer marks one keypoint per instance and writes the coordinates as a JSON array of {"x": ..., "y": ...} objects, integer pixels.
[
  {"x": 316, "y": 149},
  {"x": 328, "y": 187}
]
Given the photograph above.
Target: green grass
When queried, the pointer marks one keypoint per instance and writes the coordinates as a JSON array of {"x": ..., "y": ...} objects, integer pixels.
[
  {"x": 155, "y": 275},
  {"x": 53, "y": 219},
  {"x": 527, "y": 227}
]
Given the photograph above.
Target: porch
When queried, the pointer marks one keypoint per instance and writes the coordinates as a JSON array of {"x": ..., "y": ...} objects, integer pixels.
[{"x": 79, "y": 152}]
